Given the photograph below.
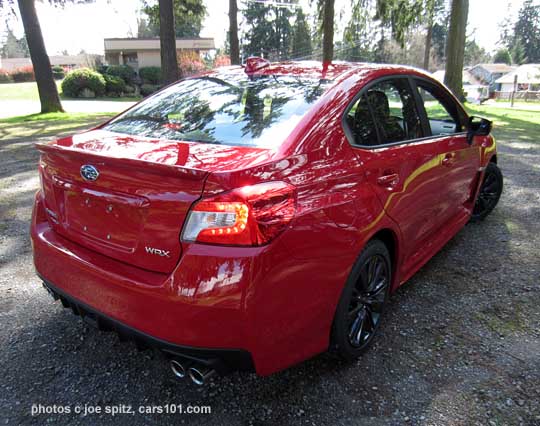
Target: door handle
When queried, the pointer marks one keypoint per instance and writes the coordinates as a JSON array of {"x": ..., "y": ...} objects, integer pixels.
[
  {"x": 390, "y": 180},
  {"x": 447, "y": 160}
]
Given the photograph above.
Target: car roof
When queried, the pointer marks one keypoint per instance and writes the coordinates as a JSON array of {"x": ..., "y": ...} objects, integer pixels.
[{"x": 315, "y": 69}]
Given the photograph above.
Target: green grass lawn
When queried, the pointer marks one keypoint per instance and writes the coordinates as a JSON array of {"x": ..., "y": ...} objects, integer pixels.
[
  {"x": 21, "y": 91},
  {"x": 28, "y": 92},
  {"x": 51, "y": 124},
  {"x": 520, "y": 123}
]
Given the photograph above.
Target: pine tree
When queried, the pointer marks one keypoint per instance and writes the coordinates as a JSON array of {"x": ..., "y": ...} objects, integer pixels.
[
  {"x": 269, "y": 30},
  {"x": 502, "y": 56},
  {"x": 301, "y": 41},
  {"x": 527, "y": 31}
]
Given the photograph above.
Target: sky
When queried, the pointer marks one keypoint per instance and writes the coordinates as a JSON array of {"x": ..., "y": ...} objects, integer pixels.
[{"x": 83, "y": 27}]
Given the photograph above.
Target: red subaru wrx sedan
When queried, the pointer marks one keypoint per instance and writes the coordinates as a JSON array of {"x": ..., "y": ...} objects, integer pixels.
[{"x": 255, "y": 216}]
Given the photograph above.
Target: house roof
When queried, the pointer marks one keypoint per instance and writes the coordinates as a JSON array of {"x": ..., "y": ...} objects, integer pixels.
[
  {"x": 528, "y": 73},
  {"x": 468, "y": 78},
  {"x": 137, "y": 44},
  {"x": 496, "y": 68}
]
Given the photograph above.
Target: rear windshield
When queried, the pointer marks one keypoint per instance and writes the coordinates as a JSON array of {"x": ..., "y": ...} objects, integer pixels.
[{"x": 226, "y": 109}]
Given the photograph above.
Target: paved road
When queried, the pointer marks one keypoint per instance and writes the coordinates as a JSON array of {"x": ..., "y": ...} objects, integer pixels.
[
  {"x": 460, "y": 344},
  {"x": 16, "y": 108}
]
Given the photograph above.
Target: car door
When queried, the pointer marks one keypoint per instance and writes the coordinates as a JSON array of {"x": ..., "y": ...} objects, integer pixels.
[
  {"x": 446, "y": 123},
  {"x": 404, "y": 167}
]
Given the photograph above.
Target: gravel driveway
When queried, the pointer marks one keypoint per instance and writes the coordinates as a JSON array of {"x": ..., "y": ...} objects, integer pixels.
[{"x": 460, "y": 344}]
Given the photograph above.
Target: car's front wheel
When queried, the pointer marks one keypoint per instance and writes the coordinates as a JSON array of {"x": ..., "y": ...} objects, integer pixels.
[
  {"x": 489, "y": 193},
  {"x": 362, "y": 302}
]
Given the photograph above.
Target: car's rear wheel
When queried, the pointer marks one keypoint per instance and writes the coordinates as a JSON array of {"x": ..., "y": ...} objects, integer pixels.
[
  {"x": 490, "y": 192},
  {"x": 362, "y": 302}
]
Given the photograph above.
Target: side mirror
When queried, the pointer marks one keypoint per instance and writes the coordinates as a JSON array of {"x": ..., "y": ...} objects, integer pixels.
[{"x": 478, "y": 126}]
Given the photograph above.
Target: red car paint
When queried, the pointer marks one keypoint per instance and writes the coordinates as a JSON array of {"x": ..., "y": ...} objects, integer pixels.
[{"x": 276, "y": 300}]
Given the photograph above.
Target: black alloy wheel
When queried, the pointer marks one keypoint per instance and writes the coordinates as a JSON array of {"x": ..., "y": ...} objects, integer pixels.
[
  {"x": 362, "y": 303},
  {"x": 367, "y": 301},
  {"x": 490, "y": 192}
]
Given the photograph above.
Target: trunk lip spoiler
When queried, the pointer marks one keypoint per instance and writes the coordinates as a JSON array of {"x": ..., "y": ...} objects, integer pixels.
[{"x": 148, "y": 166}]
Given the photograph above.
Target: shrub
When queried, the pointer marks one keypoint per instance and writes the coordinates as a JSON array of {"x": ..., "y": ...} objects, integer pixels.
[
  {"x": 114, "y": 85},
  {"x": 83, "y": 78},
  {"x": 151, "y": 75},
  {"x": 125, "y": 72},
  {"x": 148, "y": 89},
  {"x": 58, "y": 72},
  {"x": 23, "y": 74},
  {"x": 190, "y": 63},
  {"x": 5, "y": 77},
  {"x": 102, "y": 69}
]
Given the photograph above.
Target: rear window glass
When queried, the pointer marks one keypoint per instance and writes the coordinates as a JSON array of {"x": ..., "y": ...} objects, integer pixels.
[{"x": 226, "y": 109}]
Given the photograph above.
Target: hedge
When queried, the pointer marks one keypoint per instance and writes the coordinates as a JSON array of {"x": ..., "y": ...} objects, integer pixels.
[
  {"x": 151, "y": 75},
  {"x": 125, "y": 72},
  {"x": 5, "y": 77},
  {"x": 148, "y": 89},
  {"x": 84, "y": 78},
  {"x": 114, "y": 85},
  {"x": 23, "y": 74}
]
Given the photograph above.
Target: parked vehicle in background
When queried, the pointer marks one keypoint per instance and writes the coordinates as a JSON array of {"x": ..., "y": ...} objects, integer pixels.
[{"x": 251, "y": 218}]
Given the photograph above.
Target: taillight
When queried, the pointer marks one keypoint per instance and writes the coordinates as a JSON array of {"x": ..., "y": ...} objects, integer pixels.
[{"x": 247, "y": 216}]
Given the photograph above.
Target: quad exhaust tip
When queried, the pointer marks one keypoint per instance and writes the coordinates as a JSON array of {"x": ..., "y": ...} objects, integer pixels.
[
  {"x": 178, "y": 369},
  {"x": 198, "y": 374}
]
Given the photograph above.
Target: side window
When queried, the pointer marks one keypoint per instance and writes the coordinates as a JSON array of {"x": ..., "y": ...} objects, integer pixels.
[
  {"x": 442, "y": 113},
  {"x": 385, "y": 113}
]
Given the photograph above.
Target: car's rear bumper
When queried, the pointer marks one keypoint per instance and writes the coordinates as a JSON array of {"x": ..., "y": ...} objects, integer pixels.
[
  {"x": 221, "y": 360},
  {"x": 153, "y": 309}
]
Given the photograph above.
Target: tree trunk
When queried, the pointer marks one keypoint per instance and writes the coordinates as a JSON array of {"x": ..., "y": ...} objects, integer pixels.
[
  {"x": 48, "y": 93},
  {"x": 233, "y": 33},
  {"x": 328, "y": 31},
  {"x": 429, "y": 36},
  {"x": 169, "y": 62},
  {"x": 455, "y": 49}
]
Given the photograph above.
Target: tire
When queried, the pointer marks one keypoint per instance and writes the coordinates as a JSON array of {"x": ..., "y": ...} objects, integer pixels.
[
  {"x": 359, "y": 311},
  {"x": 489, "y": 194}
]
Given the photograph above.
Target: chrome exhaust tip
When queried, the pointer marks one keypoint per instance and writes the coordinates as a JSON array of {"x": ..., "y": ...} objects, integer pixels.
[
  {"x": 200, "y": 374},
  {"x": 178, "y": 369}
]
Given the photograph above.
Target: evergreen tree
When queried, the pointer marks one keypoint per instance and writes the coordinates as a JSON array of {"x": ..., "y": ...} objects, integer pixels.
[
  {"x": 527, "y": 31},
  {"x": 301, "y": 41},
  {"x": 358, "y": 42},
  {"x": 502, "y": 56},
  {"x": 14, "y": 47},
  {"x": 188, "y": 17},
  {"x": 269, "y": 30},
  {"x": 518, "y": 54},
  {"x": 474, "y": 54}
]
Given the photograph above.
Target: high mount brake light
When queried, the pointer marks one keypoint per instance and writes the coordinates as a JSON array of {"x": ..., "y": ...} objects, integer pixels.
[{"x": 247, "y": 216}]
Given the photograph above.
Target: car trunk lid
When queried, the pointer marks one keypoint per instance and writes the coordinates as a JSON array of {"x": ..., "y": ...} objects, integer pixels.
[{"x": 134, "y": 209}]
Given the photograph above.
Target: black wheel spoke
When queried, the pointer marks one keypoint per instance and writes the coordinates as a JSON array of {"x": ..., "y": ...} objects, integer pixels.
[
  {"x": 356, "y": 329},
  {"x": 367, "y": 300}
]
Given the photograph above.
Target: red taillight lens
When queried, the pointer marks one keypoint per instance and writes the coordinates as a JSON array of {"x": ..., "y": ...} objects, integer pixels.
[{"x": 248, "y": 216}]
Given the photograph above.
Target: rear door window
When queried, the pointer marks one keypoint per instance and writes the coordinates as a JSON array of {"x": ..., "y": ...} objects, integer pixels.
[
  {"x": 443, "y": 115},
  {"x": 385, "y": 113}
]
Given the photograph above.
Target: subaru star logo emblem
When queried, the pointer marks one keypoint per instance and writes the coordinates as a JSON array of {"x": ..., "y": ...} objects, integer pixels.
[{"x": 89, "y": 172}]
